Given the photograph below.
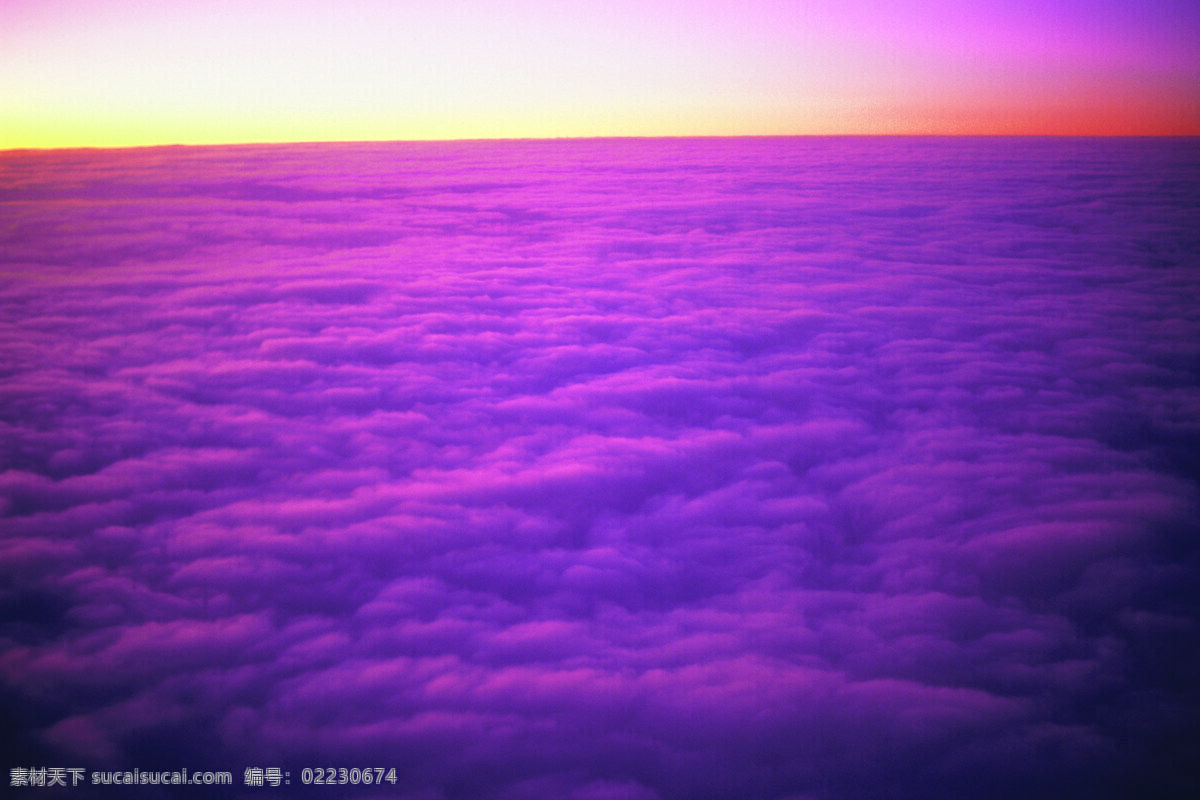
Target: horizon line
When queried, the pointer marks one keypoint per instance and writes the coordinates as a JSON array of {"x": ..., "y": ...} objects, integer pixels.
[{"x": 475, "y": 139}]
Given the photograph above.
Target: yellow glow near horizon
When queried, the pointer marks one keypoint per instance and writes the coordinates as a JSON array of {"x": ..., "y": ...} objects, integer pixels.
[{"x": 130, "y": 72}]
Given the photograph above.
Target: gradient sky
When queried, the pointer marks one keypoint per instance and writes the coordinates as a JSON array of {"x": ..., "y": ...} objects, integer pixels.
[{"x": 124, "y": 72}]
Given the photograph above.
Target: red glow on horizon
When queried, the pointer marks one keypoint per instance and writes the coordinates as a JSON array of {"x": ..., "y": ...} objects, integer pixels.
[{"x": 120, "y": 73}]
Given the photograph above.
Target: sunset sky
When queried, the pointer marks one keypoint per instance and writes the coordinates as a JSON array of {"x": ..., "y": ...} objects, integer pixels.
[{"x": 133, "y": 72}]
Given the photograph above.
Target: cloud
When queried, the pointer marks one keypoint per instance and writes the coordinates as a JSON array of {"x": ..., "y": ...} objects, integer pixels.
[{"x": 764, "y": 468}]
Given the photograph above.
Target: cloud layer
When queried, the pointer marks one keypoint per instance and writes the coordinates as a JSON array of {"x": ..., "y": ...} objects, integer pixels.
[{"x": 645, "y": 469}]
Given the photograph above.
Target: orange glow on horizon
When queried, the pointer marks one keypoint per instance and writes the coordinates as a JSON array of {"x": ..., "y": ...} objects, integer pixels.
[{"x": 119, "y": 73}]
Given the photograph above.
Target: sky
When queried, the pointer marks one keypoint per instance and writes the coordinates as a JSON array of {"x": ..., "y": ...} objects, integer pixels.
[
  {"x": 133, "y": 72},
  {"x": 674, "y": 469}
]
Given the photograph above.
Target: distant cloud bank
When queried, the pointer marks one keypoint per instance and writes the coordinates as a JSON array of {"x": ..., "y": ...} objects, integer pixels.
[{"x": 659, "y": 469}]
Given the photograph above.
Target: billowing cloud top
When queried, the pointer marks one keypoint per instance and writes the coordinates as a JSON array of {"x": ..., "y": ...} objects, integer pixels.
[{"x": 777, "y": 468}]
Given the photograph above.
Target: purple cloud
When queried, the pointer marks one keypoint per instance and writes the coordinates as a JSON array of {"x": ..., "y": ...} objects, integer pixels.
[{"x": 817, "y": 468}]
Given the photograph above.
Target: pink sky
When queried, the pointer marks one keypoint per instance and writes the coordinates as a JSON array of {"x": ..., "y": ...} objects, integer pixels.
[{"x": 125, "y": 72}]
